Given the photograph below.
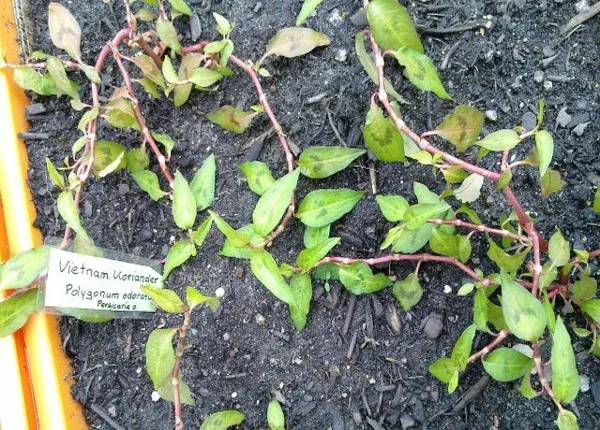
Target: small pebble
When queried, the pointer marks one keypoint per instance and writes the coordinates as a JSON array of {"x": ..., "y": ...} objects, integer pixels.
[
  {"x": 547, "y": 85},
  {"x": 123, "y": 189},
  {"x": 407, "y": 422},
  {"x": 155, "y": 396},
  {"x": 112, "y": 411},
  {"x": 195, "y": 27},
  {"x": 563, "y": 117},
  {"x": 335, "y": 18},
  {"x": 258, "y": 7},
  {"x": 341, "y": 55},
  {"x": 234, "y": 395},
  {"x": 259, "y": 319},
  {"x": 492, "y": 115},
  {"x": 359, "y": 19},
  {"x": 447, "y": 289},
  {"x": 529, "y": 121},
  {"x": 226, "y": 337},
  {"x": 220, "y": 293},
  {"x": 538, "y": 76},
  {"x": 432, "y": 325},
  {"x": 580, "y": 129},
  {"x": 585, "y": 383}
]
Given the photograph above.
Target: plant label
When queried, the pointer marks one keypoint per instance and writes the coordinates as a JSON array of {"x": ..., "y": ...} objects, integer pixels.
[{"x": 77, "y": 281}]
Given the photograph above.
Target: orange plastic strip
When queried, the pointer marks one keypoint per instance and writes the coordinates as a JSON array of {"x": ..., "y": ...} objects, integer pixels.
[{"x": 48, "y": 367}]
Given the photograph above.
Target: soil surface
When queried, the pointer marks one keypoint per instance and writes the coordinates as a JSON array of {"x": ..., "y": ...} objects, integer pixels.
[{"x": 248, "y": 351}]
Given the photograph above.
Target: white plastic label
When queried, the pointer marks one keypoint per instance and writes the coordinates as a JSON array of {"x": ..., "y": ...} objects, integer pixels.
[{"x": 80, "y": 281}]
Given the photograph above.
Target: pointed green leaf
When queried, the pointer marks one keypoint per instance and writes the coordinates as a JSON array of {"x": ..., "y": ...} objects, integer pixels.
[
  {"x": 106, "y": 155},
  {"x": 56, "y": 177},
  {"x": 247, "y": 231},
  {"x": 416, "y": 216},
  {"x": 181, "y": 7},
  {"x": 148, "y": 182},
  {"x": 178, "y": 254},
  {"x": 315, "y": 235},
  {"x": 137, "y": 159},
  {"x": 408, "y": 292},
  {"x": 204, "y": 78},
  {"x": 69, "y": 212},
  {"x": 22, "y": 269},
  {"x": 275, "y": 417},
  {"x": 59, "y": 75},
  {"x": 567, "y": 420},
  {"x": 166, "y": 391},
  {"x": 461, "y": 127},
  {"x": 565, "y": 379},
  {"x": 392, "y": 207},
  {"x": 392, "y": 26},
  {"x": 160, "y": 355},
  {"x": 195, "y": 298},
  {"x": 407, "y": 241},
  {"x": 274, "y": 203},
  {"x": 237, "y": 238},
  {"x": 551, "y": 183},
  {"x": 559, "y": 249},
  {"x": 510, "y": 263},
  {"x": 592, "y": 308},
  {"x": 223, "y": 26},
  {"x": 258, "y": 176},
  {"x": 149, "y": 69},
  {"x": 454, "y": 174},
  {"x": 480, "y": 310},
  {"x": 322, "y": 207},
  {"x": 295, "y": 41},
  {"x": 301, "y": 287},
  {"x": 165, "y": 299},
  {"x": 504, "y": 180},
  {"x": 203, "y": 184},
  {"x": 443, "y": 243},
  {"x": 424, "y": 194},
  {"x": 86, "y": 118},
  {"x": 421, "y": 72},
  {"x": 596, "y": 204},
  {"x": 443, "y": 369},
  {"x": 506, "y": 364},
  {"x": 266, "y": 271},
  {"x": 382, "y": 137},
  {"x": 462, "y": 348},
  {"x": 583, "y": 289},
  {"x": 231, "y": 118},
  {"x": 319, "y": 162},
  {"x": 64, "y": 30},
  {"x": 15, "y": 311},
  {"x": 200, "y": 234},
  {"x": 310, "y": 256},
  {"x": 545, "y": 148},
  {"x": 501, "y": 140},
  {"x": 464, "y": 248},
  {"x": 222, "y": 420},
  {"x": 358, "y": 278},
  {"x": 168, "y": 34},
  {"x": 184, "y": 205},
  {"x": 523, "y": 313},
  {"x": 308, "y": 7}
]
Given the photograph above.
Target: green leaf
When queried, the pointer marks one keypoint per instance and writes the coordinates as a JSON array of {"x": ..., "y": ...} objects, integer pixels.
[
  {"x": 392, "y": 207},
  {"x": 470, "y": 189},
  {"x": 203, "y": 184},
  {"x": 596, "y": 204},
  {"x": 195, "y": 298},
  {"x": 168, "y": 34},
  {"x": 165, "y": 299},
  {"x": 266, "y": 271},
  {"x": 523, "y": 313},
  {"x": 464, "y": 248},
  {"x": 301, "y": 287},
  {"x": 59, "y": 75},
  {"x": 149, "y": 69},
  {"x": 549, "y": 309},
  {"x": 565, "y": 379},
  {"x": 559, "y": 249},
  {"x": 184, "y": 205},
  {"x": 178, "y": 254},
  {"x": 160, "y": 356},
  {"x": 454, "y": 174},
  {"x": 443, "y": 243},
  {"x": 200, "y": 234},
  {"x": 319, "y": 162},
  {"x": 24, "y": 268},
  {"x": 322, "y": 207},
  {"x": 204, "y": 78},
  {"x": 392, "y": 26},
  {"x": 466, "y": 289},
  {"x": 229, "y": 250},
  {"x": 310, "y": 256},
  {"x": 64, "y": 30},
  {"x": 545, "y": 148},
  {"x": 358, "y": 278},
  {"x": 86, "y": 118},
  {"x": 295, "y": 41},
  {"x": 315, "y": 235},
  {"x": 166, "y": 391},
  {"x": 407, "y": 241},
  {"x": 424, "y": 194},
  {"x": 106, "y": 155},
  {"x": 461, "y": 127},
  {"x": 443, "y": 369},
  {"x": 273, "y": 203},
  {"x": 56, "y": 177},
  {"x": 120, "y": 114},
  {"x": 421, "y": 72},
  {"x": 181, "y": 7},
  {"x": 510, "y": 263},
  {"x": 525, "y": 388},
  {"x": 188, "y": 64},
  {"x": 115, "y": 165},
  {"x": 501, "y": 140},
  {"x": 382, "y": 137},
  {"x": 367, "y": 62},
  {"x": 592, "y": 308},
  {"x": 231, "y": 118},
  {"x": 237, "y": 238},
  {"x": 148, "y": 182},
  {"x": 275, "y": 417},
  {"x": 15, "y": 311},
  {"x": 462, "y": 348},
  {"x": 29, "y": 79},
  {"x": 480, "y": 310},
  {"x": 137, "y": 159},
  {"x": 551, "y": 183},
  {"x": 69, "y": 212},
  {"x": 408, "y": 292},
  {"x": 506, "y": 364},
  {"x": 308, "y": 7},
  {"x": 166, "y": 141},
  {"x": 504, "y": 179},
  {"x": 567, "y": 420},
  {"x": 583, "y": 289},
  {"x": 417, "y": 215},
  {"x": 470, "y": 213},
  {"x": 169, "y": 71},
  {"x": 222, "y": 420},
  {"x": 258, "y": 176},
  {"x": 223, "y": 26}
]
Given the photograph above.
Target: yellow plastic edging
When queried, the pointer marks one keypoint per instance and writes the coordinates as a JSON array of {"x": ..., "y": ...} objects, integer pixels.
[{"x": 49, "y": 371}]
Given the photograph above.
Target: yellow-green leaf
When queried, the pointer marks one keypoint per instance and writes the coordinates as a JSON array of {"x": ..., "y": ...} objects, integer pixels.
[
  {"x": 69, "y": 212},
  {"x": 417, "y": 215},
  {"x": 545, "y": 148},
  {"x": 382, "y": 137},
  {"x": 358, "y": 278},
  {"x": 204, "y": 78},
  {"x": 392, "y": 207},
  {"x": 392, "y": 26},
  {"x": 222, "y": 420},
  {"x": 237, "y": 238},
  {"x": 203, "y": 184},
  {"x": 148, "y": 182},
  {"x": 165, "y": 299},
  {"x": 421, "y": 71},
  {"x": 184, "y": 205},
  {"x": 551, "y": 183},
  {"x": 308, "y": 7},
  {"x": 322, "y": 207},
  {"x": 168, "y": 34},
  {"x": 565, "y": 379},
  {"x": 22, "y": 269},
  {"x": 160, "y": 356},
  {"x": 319, "y": 162},
  {"x": 231, "y": 118},
  {"x": 274, "y": 203},
  {"x": 258, "y": 176},
  {"x": 178, "y": 254},
  {"x": 310, "y": 256},
  {"x": 200, "y": 234},
  {"x": 55, "y": 176},
  {"x": 408, "y": 292},
  {"x": 194, "y": 298},
  {"x": 275, "y": 417},
  {"x": 461, "y": 127},
  {"x": 501, "y": 140},
  {"x": 559, "y": 249},
  {"x": 506, "y": 364},
  {"x": 15, "y": 311},
  {"x": 265, "y": 269},
  {"x": 462, "y": 348},
  {"x": 301, "y": 287}
]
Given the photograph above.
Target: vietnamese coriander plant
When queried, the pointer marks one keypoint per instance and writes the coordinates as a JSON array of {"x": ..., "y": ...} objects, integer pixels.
[{"x": 519, "y": 300}]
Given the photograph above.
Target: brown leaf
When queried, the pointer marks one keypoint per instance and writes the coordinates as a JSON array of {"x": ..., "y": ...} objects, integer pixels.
[
  {"x": 64, "y": 30},
  {"x": 295, "y": 41}
]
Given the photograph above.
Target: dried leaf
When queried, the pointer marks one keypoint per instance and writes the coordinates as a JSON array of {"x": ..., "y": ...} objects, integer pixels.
[
  {"x": 231, "y": 118},
  {"x": 461, "y": 127},
  {"x": 64, "y": 30},
  {"x": 295, "y": 41}
]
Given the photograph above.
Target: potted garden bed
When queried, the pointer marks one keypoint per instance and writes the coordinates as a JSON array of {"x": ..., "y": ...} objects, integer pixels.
[{"x": 361, "y": 361}]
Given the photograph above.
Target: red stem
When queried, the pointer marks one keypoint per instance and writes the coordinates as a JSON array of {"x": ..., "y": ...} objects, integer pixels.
[
  {"x": 488, "y": 348},
  {"x": 179, "y": 350},
  {"x": 537, "y": 360},
  {"x": 482, "y": 228}
]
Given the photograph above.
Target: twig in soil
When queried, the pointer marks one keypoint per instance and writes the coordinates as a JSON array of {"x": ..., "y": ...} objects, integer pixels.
[
  {"x": 457, "y": 29},
  {"x": 373, "y": 177},
  {"x": 471, "y": 394},
  {"x": 351, "y": 347},
  {"x": 580, "y": 18},
  {"x": 334, "y": 128},
  {"x": 102, "y": 414},
  {"x": 374, "y": 424},
  {"x": 449, "y": 54},
  {"x": 349, "y": 314},
  {"x": 33, "y": 136},
  {"x": 187, "y": 316}
]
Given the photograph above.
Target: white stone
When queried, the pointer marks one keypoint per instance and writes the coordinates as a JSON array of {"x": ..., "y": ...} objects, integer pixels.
[
  {"x": 585, "y": 383},
  {"x": 155, "y": 396},
  {"x": 447, "y": 289},
  {"x": 220, "y": 293}
]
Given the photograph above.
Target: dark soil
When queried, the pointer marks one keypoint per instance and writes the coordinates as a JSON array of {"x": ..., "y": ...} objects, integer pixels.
[{"x": 236, "y": 362}]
